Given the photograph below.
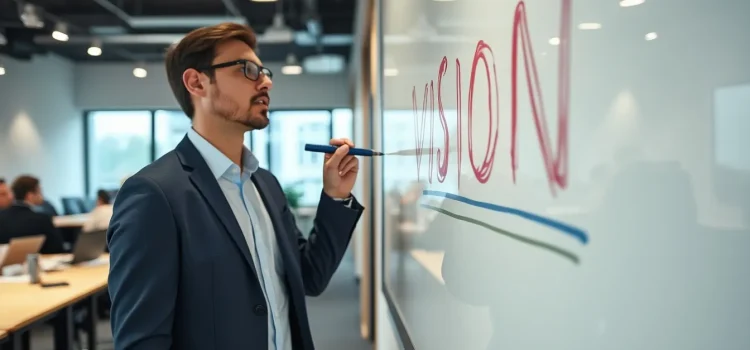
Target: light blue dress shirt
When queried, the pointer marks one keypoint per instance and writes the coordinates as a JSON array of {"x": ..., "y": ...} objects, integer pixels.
[{"x": 257, "y": 228}]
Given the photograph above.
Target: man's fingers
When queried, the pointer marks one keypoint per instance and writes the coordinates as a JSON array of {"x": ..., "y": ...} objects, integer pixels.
[
  {"x": 335, "y": 160},
  {"x": 350, "y": 165},
  {"x": 345, "y": 162},
  {"x": 341, "y": 141}
]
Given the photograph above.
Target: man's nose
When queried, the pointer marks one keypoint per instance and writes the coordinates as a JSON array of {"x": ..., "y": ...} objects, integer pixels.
[{"x": 265, "y": 83}]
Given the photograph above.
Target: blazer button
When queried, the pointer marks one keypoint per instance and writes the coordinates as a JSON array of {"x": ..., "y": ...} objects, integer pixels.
[{"x": 260, "y": 310}]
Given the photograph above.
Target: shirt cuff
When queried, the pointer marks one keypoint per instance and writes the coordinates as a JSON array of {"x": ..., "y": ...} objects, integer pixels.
[{"x": 346, "y": 201}]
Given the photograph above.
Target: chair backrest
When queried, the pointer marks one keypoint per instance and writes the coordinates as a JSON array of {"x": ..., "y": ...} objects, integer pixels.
[
  {"x": 73, "y": 205},
  {"x": 48, "y": 208}
]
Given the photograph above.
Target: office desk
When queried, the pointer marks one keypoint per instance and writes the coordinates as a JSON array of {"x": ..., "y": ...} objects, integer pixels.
[
  {"x": 71, "y": 221},
  {"x": 24, "y": 304}
]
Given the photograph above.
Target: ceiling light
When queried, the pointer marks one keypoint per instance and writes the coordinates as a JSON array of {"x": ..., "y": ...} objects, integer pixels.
[
  {"x": 589, "y": 26},
  {"x": 630, "y": 3},
  {"x": 554, "y": 41},
  {"x": 390, "y": 72},
  {"x": 651, "y": 36},
  {"x": 140, "y": 72},
  {"x": 2, "y": 69},
  {"x": 95, "y": 49},
  {"x": 61, "y": 32},
  {"x": 30, "y": 15},
  {"x": 291, "y": 67}
]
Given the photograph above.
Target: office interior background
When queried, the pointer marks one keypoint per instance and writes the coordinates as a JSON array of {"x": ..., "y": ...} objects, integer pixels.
[{"x": 84, "y": 103}]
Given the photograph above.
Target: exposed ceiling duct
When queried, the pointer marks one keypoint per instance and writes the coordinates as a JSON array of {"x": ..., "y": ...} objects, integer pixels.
[
  {"x": 160, "y": 22},
  {"x": 314, "y": 27},
  {"x": 125, "y": 30}
]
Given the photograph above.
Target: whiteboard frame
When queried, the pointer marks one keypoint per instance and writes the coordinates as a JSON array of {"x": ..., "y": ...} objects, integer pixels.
[{"x": 395, "y": 314}]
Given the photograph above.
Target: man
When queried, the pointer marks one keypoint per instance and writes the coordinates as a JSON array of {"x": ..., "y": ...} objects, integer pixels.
[
  {"x": 100, "y": 216},
  {"x": 20, "y": 219},
  {"x": 5, "y": 197},
  {"x": 205, "y": 252}
]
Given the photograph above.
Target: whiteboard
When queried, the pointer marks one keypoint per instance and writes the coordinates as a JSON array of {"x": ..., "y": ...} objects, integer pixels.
[{"x": 569, "y": 174}]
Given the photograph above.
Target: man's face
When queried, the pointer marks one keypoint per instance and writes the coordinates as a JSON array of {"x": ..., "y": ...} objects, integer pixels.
[
  {"x": 234, "y": 97},
  {"x": 35, "y": 197},
  {"x": 6, "y": 197}
]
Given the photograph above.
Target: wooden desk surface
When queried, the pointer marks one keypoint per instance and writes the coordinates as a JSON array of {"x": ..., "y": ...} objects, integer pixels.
[
  {"x": 23, "y": 303},
  {"x": 3, "y": 334}
]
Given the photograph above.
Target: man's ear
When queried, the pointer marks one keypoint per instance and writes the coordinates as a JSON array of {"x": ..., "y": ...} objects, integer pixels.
[{"x": 191, "y": 78}]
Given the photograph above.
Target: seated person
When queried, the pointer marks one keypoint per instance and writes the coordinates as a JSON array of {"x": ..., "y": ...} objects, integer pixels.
[
  {"x": 102, "y": 213},
  {"x": 6, "y": 198},
  {"x": 20, "y": 220}
]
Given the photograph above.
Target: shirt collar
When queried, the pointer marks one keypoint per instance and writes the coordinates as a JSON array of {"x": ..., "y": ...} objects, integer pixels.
[{"x": 219, "y": 164}]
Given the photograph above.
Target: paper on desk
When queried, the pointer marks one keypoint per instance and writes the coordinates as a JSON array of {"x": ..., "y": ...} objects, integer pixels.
[
  {"x": 15, "y": 279},
  {"x": 102, "y": 260}
]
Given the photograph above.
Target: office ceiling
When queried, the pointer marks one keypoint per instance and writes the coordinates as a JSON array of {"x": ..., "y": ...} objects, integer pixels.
[{"x": 141, "y": 30}]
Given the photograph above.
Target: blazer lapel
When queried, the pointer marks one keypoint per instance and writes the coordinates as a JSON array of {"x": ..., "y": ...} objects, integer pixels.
[{"x": 208, "y": 186}]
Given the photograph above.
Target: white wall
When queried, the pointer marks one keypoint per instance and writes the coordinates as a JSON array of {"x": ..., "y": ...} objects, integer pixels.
[
  {"x": 41, "y": 130},
  {"x": 112, "y": 85}
]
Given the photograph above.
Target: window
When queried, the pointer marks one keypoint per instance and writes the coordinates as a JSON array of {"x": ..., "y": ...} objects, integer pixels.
[
  {"x": 295, "y": 168},
  {"x": 343, "y": 123},
  {"x": 170, "y": 128},
  {"x": 119, "y": 145},
  {"x": 258, "y": 144}
]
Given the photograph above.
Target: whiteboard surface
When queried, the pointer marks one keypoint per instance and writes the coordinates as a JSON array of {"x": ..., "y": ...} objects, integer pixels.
[{"x": 613, "y": 214}]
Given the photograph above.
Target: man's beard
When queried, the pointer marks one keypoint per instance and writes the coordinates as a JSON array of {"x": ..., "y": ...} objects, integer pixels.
[{"x": 228, "y": 110}]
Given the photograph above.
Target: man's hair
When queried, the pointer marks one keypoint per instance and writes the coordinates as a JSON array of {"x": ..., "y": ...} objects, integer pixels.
[
  {"x": 2, "y": 181},
  {"x": 197, "y": 50},
  {"x": 24, "y": 185},
  {"x": 103, "y": 196}
]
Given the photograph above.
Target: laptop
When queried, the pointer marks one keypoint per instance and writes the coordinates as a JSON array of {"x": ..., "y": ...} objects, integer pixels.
[
  {"x": 20, "y": 247},
  {"x": 88, "y": 246}
]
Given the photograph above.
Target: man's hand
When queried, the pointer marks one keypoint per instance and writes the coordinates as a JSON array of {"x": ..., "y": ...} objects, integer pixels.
[{"x": 340, "y": 170}]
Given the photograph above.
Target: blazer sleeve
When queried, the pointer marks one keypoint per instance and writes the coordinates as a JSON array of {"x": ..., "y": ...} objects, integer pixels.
[
  {"x": 143, "y": 246},
  {"x": 322, "y": 251}
]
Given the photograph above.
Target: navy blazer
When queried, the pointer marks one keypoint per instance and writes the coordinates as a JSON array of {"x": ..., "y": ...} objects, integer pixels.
[{"x": 181, "y": 274}]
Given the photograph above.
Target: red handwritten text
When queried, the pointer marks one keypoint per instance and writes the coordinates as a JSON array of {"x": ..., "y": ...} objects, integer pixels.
[{"x": 556, "y": 163}]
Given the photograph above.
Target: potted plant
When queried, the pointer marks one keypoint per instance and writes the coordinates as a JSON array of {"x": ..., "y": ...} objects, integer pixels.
[{"x": 293, "y": 196}]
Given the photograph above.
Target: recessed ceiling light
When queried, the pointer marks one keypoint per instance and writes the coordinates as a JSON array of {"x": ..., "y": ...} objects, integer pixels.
[
  {"x": 651, "y": 36},
  {"x": 2, "y": 70},
  {"x": 630, "y": 3},
  {"x": 589, "y": 26},
  {"x": 554, "y": 41},
  {"x": 140, "y": 72},
  {"x": 94, "y": 51}
]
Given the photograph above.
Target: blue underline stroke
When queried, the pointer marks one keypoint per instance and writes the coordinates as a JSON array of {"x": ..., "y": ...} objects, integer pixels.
[{"x": 557, "y": 225}]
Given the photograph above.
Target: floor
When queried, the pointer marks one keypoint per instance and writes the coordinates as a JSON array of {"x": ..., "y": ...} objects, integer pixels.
[{"x": 334, "y": 317}]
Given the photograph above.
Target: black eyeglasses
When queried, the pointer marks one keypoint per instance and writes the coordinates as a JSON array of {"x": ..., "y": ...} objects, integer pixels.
[{"x": 251, "y": 69}]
